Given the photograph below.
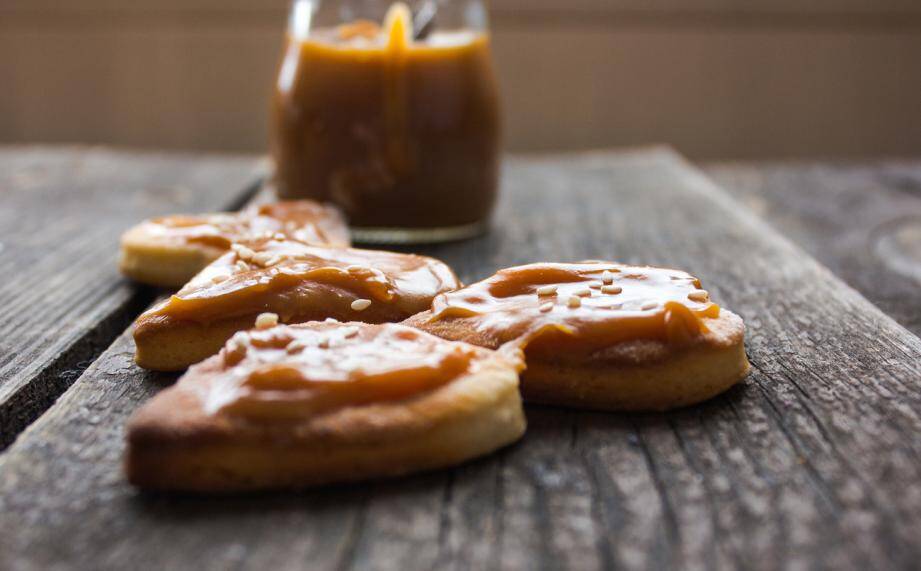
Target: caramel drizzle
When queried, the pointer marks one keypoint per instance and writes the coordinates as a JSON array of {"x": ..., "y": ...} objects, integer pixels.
[
  {"x": 293, "y": 373},
  {"x": 591, "y": 304},
  {"x": 240, "y": 278}
]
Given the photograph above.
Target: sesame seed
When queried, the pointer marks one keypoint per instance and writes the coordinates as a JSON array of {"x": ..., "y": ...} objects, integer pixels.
[
  {"x": 243, "y": 252},
  {"x": 241, "y": 266},
  {"x": 351, "y": 332},
  {"x": 354, "y": 268},
  {"x": 649, "y": 305},
  {"x": 262, "y": 258},
  {"x": 612, "y": 306},
  {"x": 330, "y": 320},
  {"x": 607, "y": 277},
  {"x": 611, "y": 289},
  {"x": 295, "y": 346},
  {"x": 595, "y": 285},
  {"x": 574, "y": 301},
  {"x": 219, "y": 278},
  {"x": 545, "y": 307},
  {"x": 584, "y": 292},
  {"x": 547, "y": 290},
  {"x": 266, "y": 320},
  {"x": 274, "y": 260},
  {"x": 361, "y": 304},
  {"x": 699, "y": 295}
]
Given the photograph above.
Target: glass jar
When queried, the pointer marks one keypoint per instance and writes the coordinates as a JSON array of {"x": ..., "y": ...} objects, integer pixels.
[{"x": 391, "y": 112}]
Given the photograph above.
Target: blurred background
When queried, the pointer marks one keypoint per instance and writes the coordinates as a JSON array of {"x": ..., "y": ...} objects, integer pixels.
[{"x": 717, "y": 79}]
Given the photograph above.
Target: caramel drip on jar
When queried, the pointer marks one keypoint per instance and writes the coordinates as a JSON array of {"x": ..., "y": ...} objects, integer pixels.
[
  {"x": 292, "y": 373},
  {"x": 557, "y": 308}
]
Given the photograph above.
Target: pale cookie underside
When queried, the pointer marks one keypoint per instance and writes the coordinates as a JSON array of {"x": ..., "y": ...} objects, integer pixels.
[
  {"x": 632, "y": 376},
  {"x": 174, "y": 445},
  {"x": 150, "y": 261}
]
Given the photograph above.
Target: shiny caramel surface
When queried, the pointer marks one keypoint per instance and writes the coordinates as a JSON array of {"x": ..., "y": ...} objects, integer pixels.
[
  {"x": 554, "y": 308},
  {"x": 290, "y": 373},
  {"x": 301, "y": 282},
  {"x": 302, "y": 220}
]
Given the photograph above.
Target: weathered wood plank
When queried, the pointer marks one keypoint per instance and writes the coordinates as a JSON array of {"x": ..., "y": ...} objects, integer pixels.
[
  {"x": 61, "y": 213},
  {"x": 812, "y": 463},
  {"x": 863, "y": 221}
]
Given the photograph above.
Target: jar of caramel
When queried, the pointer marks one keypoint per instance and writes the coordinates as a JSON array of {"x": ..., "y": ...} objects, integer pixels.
[{"x": 391, "y": 112}]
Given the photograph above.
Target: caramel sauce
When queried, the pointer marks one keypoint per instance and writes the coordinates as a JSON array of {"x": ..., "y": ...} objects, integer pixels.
[
  {"x": 301, "y": 282},
  {"x": 397, "y": 132},
  {"x": 295, "y": 372},
  {"x": 594, "y": 305},
  {"x": 302, "y": 220}
]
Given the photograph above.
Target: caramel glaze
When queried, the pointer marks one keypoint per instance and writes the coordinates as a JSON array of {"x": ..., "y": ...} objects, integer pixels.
[
  {"x": 303, "y": 220},
  {"x": 293, "y": 373},
  {"x": 634, "y": 303},
  {"x": 301, "y": 282}
]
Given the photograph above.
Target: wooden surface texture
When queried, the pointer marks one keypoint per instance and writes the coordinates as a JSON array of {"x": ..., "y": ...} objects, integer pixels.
[
  {"x": 813, "y": 462},
  {"x": 61, "y": 214},
  {"x": 862, "y": 221}
]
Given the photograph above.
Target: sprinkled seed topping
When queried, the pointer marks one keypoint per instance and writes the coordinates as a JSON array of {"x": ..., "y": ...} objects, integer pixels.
[
  {"x": 354, "y": 268},
  {"x": 219, "y": 278},
  {"x": 262, "y": 258},
  {"x": 547, "y": 290},
  {"x": 607, "y": 277},
  {"x": 584, "y": 292},
  {"x": 649, "y": 305},
  {"x": 545, "y": 307},
  {"x": 574, "y": 301},
  {"x": 236, "y": 348},
  {"x": 243, "y": 252},
  {"x": 295, "y": 346},
  {"x": 279, "y": 237},
  {"x": 330, "y": 320},
  {"x": 266, "y": 320},
  {"x": 241, "y": 266},
  {"x": 274, "y": 260},
  {"x": 361, "y": 304},
  {"x": 612, "y": 306},
  {"x": 699, "y": 295},
  {"x": 611, "y": 289},
  {"x": 595, "y": 285},
  {"x": 351, "y": 332}
]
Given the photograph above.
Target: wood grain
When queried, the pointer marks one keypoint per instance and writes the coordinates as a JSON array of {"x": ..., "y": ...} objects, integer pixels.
[
  {"x": 846, "y": 215},
  {"x": 61, "y": 215},
  {"x": 811, "y": 463}
]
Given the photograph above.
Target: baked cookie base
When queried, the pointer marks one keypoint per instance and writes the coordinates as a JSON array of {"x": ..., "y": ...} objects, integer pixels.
[
  {"x": 687, "y": 378},
  {"x": 174, "y": 445},
  {"x": 632, "y": 376},
  {"x": 164, "y": 345},
  {"x": 156, "y": 265}
]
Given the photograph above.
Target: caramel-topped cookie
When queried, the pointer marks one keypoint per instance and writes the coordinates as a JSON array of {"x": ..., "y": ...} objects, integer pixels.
[
  {"x": 297, "y": 282},
  {"x": 170, "y": 250},
  {"x": 320, "y": 402},
  {"x": 600, "y": 334}
]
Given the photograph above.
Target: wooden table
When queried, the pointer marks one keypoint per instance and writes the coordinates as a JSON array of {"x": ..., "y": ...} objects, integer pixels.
[{"x": 813, "y": 462}]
